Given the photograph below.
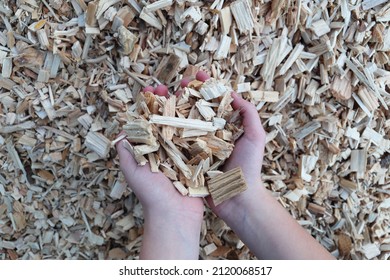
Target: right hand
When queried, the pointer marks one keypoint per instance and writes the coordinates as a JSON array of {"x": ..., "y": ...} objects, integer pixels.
[{"x": 248, "y": 153}]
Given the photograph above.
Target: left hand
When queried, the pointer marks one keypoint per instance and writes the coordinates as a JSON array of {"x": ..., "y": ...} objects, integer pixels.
[{"x": 155, "y": 191}]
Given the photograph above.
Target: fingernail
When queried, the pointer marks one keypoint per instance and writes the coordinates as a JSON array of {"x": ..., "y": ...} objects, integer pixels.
[
  {"x": 202, "y": 76},
  {"x": 161, "y": 90},
  {"x": 184, "y": 82},
  {"x": 179, "y": 92},
  {"x": 149, "y": 89}
]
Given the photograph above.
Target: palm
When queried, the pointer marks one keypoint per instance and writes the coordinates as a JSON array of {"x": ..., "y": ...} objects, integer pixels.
[
  {"x": 248, "y": 153},
  {"x": 155, "y": 190}
]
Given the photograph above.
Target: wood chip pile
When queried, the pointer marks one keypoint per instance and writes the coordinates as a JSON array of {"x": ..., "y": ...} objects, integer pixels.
[
  {"x": 71, "y": 71},
  {"x": 190, "y": 147}
]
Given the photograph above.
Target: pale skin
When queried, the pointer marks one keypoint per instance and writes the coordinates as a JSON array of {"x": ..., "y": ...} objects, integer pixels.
[{"x": 173, "y": 222}]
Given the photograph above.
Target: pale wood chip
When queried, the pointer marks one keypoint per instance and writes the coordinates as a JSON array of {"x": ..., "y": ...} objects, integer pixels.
[{"x": 227, "y": 185}]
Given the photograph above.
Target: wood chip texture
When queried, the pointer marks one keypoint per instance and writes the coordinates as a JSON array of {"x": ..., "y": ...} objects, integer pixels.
[
  {"x": 71, "y": 73},
  {"x": 227, "y": 185}
]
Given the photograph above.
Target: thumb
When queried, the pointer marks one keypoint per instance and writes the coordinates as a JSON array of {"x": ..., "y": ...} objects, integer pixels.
[
  {"x": 127, "y": 162},
  {"x": 250, "y": 117}
]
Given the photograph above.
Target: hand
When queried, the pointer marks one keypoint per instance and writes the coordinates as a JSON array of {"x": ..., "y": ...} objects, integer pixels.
[
  {"x": 248, "y": 153},
  {"x": 154, "y": 190},
  {"x": 172, "y": 221},
  {"x": 255, "y": 216}
]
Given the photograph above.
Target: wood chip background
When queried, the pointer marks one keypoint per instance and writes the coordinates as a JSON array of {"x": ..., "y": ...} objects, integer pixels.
[{"x": 318, "y": 72}]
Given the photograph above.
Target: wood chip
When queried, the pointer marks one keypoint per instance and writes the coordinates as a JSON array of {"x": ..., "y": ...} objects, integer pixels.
[
  {"x": 227, "y": 185},
  {"x": 71, "y": 76},
  {"x": 140, "y": 131},
  {"x": 127, "y": 39},
  {"x": 359, "y": 162},
  {"x": 341, "y": 88},
  {"x": 182, "y": 123},
  {"x": 168, "y": 68},
  {"x": 242, "y": 15},
  {"x": 98, "y": 143},
  {"x": 320, "y": 27},
  {"x": 181, "y": 188}
]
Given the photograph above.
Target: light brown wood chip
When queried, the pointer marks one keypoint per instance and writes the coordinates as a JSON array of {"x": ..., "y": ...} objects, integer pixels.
[{"x": 227, "y": 185}]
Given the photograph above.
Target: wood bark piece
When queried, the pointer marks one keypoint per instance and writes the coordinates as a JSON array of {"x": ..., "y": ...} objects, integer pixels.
[
  {"x": 146, "y": 149},
  {"x": 153, "y": 162},
  {"x": 192, "y": 13},
  {"x": 140, "y": 159},
  {"x": 126, "y": 15},
  {"x": 168, "y": 68},
  {"x": 316, "y": 209},
  {"x": 348, "y": 185},
  {"x": 206, "y": 111},
  {"x": 294, "y": 55},
  {"x": 277, "y": 6},
  {"x": 344, "y": 245},
  {"x": 227, "y": 185},
  {"x": 307, "y": 130},
  {"x": 14, "y": 156},
  {"x": 365, "y": 79},
  {"x": 118, "y": 189},
  {"x": 374, "y": 136},
  {"x": 306, "y": 166},
  {"x": 369, "y": 99},
  {"x": 103, "y": 6},
  {"x": 90, "y": 16}
]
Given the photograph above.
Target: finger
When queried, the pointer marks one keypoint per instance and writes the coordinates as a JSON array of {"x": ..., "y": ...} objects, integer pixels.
[
  {"x": 179, "y": 92},
  {"x": 184, "y": 82},
  {"x": 209, "y": 201},
  {"x": 250, "y": 117},
  {"x": 148, "y": 89},
  {"x": 202, "y": 76},
  {"x": 129, "y": 166},
  {"x": 161, "y": 90},
  {"x": 127, "y": 162}
]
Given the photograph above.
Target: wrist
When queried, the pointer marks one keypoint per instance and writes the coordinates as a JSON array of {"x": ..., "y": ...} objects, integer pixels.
[
  {"x": 170, "y": 236},
  {"x": 235, "y": 209},
  {"x": 173, "y": 218}
]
